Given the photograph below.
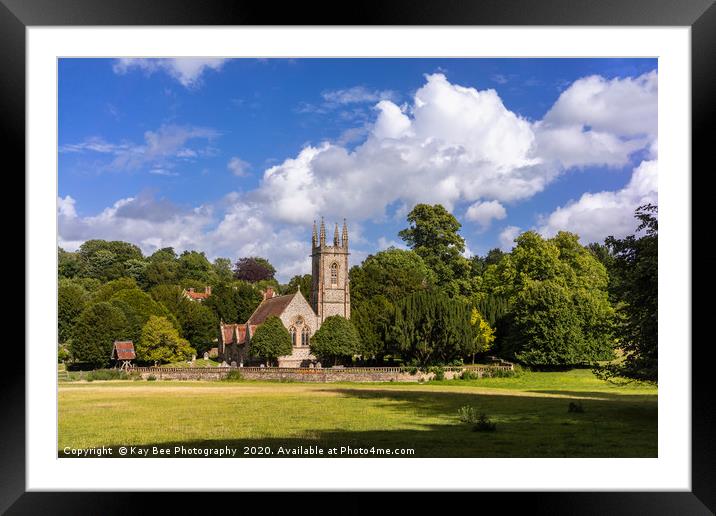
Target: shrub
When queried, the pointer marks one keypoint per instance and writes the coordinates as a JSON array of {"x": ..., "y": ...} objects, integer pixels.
[
  {"x": 484, "y": 424},
  {"x": 412, "y": 370},
  {"x": 467, "y": 414},
  {"x": 151, "y": 378},
  {"x": 501, "y": 373},
  {"x": 438, "y": 372},
  {"x": 480, "y": 421},
  {"x": 233, "y": 376},
  {"x": 575, "y": 407},
  {"x": 63, "y": 354},
  {"x": 469, "y": 375},
  {"x": 106, "y": 374}
]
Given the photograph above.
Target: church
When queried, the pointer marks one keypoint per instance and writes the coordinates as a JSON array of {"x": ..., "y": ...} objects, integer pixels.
[{"x": 330, "y": 295}]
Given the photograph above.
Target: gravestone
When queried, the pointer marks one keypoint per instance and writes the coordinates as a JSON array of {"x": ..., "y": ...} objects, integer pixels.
[
  {"x": 206, "y": 355},
  {"x": 233, "y": 363}
]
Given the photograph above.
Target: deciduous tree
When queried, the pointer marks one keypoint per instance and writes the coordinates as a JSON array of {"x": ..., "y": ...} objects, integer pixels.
[
  {"x": 271, "y": 340},
  {"x": 393, "y": 274},
  {"x": 253, "y": 269},
  {"x": 636, "y": 288},
  {"x": 433, "y": 234},
  {"x": 160, "y": 342},
  {"x": 336, "y": 339}
]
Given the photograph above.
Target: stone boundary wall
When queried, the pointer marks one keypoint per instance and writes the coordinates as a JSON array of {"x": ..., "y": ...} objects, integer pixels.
[{"x": 300, "y": 374}]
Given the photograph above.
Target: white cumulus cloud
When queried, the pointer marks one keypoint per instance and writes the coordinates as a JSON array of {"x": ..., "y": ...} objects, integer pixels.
[
  {"x": 594, "y": 216},
  {"x": 507, "y": 237},
  {"x": 485, "y": 212}
]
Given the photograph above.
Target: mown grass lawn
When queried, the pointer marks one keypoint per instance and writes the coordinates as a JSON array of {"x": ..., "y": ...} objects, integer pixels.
[{"x": 530, "y": 412}]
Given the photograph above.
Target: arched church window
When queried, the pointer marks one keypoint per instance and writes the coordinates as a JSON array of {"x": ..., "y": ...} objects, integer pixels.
[
  {"x": 293, "y": 336},
  {"x": 334, "y": 275},
  {"x": 304, "y": 337}
]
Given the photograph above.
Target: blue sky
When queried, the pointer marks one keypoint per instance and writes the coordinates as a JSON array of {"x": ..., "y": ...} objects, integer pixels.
[{"x": 238, "y": 157}]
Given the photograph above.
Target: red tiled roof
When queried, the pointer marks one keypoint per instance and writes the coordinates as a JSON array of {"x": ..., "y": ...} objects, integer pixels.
[
  {"x": 268, "y": 307},
  {"x": 230, "y": 332},
  {"x": 196, "y": 295},
  {"x": 227, "y": 332},
  {"x": 241, "y": 333},
  {"x": 124, "y": 350}
]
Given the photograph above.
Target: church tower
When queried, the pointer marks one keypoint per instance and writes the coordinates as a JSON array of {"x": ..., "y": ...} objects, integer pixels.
[{"x": 329, "y": 289}]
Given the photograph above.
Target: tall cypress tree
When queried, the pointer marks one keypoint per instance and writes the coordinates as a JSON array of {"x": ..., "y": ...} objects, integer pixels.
[{"x": 431, "y": 329}]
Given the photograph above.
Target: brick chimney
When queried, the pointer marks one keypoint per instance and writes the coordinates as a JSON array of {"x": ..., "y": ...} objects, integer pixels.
[
  {"x": 207, "y": 290},
  {"x": 268, "y": 293}
]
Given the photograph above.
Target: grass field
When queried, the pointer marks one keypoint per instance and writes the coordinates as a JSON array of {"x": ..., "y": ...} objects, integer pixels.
[{"x": 530, "y": 412}]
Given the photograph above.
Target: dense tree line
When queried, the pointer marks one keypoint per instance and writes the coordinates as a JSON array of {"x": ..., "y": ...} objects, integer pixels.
[
  {"x": 550, "y": 302},
  {"x": 109, "y": 291}
]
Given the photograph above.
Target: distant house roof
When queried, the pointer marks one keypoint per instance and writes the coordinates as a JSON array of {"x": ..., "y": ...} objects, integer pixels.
[
  {"x": 268, "y": 307},
  {"x": 123, "y": 350},
  {"x": 197, "y": 296}
]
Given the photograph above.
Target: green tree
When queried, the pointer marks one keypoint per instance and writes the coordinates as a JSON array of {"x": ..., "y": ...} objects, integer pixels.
[
  {"x": 193, "y": 265},
  {"x": 198, "y": 321},
  {"x": 545, "y": 327},
  {"x": 337, "y": 339},
  {"x": 478, "y": 264},
  {"x": 138, "y": 307},
  {"x": 431, "y": 328},
  {"x": 235, "y": 302},
  {"x": 163, "y": 267},
  {"x": 109, "y": 289},
  {"x": 484, "y": 333},
  {"x": 636, "y": 286},
  {"x": 71, "y": 300},
  {"x": 223, "y": 271},
  {"x": 160, "y": 343},
  {"x": 137, "y": 270},
  {"x": 302, "y": 283},
  {"x": 433, "y": 234},
  {"x": 559, "y": 311},
  {"x": 372, "y": 320},
  {"x": 106, "y": 260},
  {"x": 271, "y": 340},
  {"x": 95, "y": 331},
  {"x": 393, "y": 274},
  {"x": 170, "y": 296},
  {"x": 69, "y": 265},
  {"x": 199, "y": 325}
]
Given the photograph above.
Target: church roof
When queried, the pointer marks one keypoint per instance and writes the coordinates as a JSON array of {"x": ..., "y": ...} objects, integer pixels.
[
  {"x": 233, "y": 333},
  {"x": 268, "y": 307}
]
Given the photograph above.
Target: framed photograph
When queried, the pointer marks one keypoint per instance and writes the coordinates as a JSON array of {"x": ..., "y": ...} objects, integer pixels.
[{"x": 411, "y": 251}]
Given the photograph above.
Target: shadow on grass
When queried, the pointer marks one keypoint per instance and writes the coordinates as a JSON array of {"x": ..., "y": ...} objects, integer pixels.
[
  {"x": 600, "y": 395},
  {"x": 612, "y": 425}
]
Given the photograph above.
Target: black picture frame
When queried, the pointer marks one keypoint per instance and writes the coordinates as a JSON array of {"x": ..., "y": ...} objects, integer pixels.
[{"x": 699, "y": 15}]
